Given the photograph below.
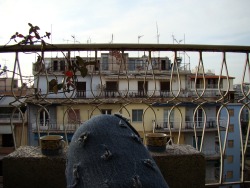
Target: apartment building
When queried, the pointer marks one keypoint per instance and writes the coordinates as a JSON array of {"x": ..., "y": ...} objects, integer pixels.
[
  {"x": 11, "y": 99},
  {"x": 231, "y": 143},
  {"x": 154, "y": 93}
]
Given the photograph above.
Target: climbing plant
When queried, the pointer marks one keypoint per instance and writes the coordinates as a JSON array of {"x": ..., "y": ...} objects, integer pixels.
[{"x": 34, "y": 37}]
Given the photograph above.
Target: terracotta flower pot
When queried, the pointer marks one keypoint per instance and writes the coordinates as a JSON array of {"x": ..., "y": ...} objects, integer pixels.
[{"x": 156, "y": 142}]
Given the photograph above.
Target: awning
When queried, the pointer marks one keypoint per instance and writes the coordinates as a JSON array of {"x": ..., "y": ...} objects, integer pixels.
[
  {"x": 5, "y": 101},
  {"x": 5, "y": 129}
]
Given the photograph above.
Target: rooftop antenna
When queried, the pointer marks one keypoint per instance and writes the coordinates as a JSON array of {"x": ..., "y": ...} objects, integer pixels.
[
  {"x": 66, "y": 40},
  {"x": 139, "y": 36},
  {"x": 88, "y": 42},
  {"x": 157, "y": 32},
  {"x": 74, "y": 37},
  {"x": 112, "y": 38},
  {"x": 173, "y": 38},
  {"x": 158, "y": 36},
  {"x": 179, "y": 42},
  {"x": 4, "y": 69}
]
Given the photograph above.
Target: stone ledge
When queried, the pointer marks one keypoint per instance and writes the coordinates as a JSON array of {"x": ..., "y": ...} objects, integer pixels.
[{"x": 181, "y": 166}]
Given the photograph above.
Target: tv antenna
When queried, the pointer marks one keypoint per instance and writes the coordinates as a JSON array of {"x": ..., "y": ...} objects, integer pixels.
[
  {"x": 112, "y": 39},
  {"x": 139, "y": 37},
  {"x": 158, "y": 36},
  {"x": 4, "y": 69},
  {"x": 157, "y": 32}
]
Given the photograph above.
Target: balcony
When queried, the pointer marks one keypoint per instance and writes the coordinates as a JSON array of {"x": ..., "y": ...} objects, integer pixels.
[
  {"x": 187, "y": 125},
  {"x": 178, "y": 94},
  {"x": 184, "y": 95},
  {"x": 16, "y": 117},
  {"x": 54, "y": 127}
]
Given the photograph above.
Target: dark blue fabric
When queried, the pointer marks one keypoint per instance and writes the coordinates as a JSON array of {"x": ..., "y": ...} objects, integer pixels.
[{"x": 106, "y": 151}]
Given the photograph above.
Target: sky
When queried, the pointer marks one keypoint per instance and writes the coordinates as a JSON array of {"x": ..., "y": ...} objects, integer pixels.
[{"x": 215, "y": 22}]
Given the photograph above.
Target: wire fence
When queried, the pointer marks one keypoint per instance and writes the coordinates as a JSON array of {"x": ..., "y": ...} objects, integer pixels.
[{"x": 153, "y": 85}]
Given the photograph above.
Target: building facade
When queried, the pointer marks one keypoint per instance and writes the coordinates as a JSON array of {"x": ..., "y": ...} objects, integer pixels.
[
  {"x": 13, "y": 120},
  {"x": 155, "y": 94}
]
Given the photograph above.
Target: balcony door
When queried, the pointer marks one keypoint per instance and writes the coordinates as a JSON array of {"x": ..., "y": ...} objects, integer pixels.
[
  {"x": 106, "y": 111},
  {"x": 111, "y": 88},
  {"x": 73, "y": 116},
  {"x": 166, "y": 113},
  {"x": 81, "y": 89},
  {"x": 164, "y": 89},
  {"x": 142, "y": 88},
  {"x": 199, "y": 118},
  {"x": 44, "y": 118}
]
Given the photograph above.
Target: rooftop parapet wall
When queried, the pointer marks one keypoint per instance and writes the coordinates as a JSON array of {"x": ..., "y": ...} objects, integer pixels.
[{"x": 181, "y": 166}]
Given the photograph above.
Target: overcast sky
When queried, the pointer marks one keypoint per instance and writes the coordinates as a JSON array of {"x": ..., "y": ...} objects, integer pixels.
[{"x": 222, "y": 22}]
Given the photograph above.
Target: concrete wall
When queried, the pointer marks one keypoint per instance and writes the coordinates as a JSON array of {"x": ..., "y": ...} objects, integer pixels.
[{"x": 181, "y": 166}]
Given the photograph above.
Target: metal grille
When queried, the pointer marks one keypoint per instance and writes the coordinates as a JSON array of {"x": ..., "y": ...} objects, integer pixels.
[{"x": 146, "y": 63}]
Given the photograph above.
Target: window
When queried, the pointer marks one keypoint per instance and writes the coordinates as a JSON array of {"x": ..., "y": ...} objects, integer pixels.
[
  {"x": 137, "y": 115},
  {"x": 166, "y": 113},
  {"x": 73, "y": 116},
  {"x": 81, "y": 89},
  {"x": 165, "y": 64},
  {"x": 111, "y": 88},
  {"x": 105, "y": 60},
  {"x": 199, "y": 83},
  {"x": 142, "y": 87},
  {"x": 81, "y": 86},
  {"x": 44, "y": 118},
  {"x": 230, "y": 143},
  {"x": 230, "y": 174},
  {"x": 7, "y": 140},
  {"x": 199, "y": 118},
  {"x": 55, "y": 65},
  {"x": 131, "y": 64},
  {"x": 165, "y": 86},
  {"x": 231, "y": 128},
  {"x": 164, "y": 89},
  {"x": 139, "y": 64},
  {"x": 62, "y": 65},
  {"x": 231, "y": 112},
  {"x": 97, "y": 65},
  {"x": 230, "y": 158},
  {"x": 106, "y": 111},
  {"x": 211, "y": 83}
]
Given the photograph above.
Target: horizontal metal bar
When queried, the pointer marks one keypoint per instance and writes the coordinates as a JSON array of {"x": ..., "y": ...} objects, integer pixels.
[{"x": 124, "y": 47}]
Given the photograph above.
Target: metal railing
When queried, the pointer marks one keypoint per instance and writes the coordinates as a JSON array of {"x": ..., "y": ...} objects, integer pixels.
[
  {"x": 6, "y": 117},
  {"x": 90, "y": 94},
  {"x": 174, "y": 99},
  {"x": 211, "y": 123}
]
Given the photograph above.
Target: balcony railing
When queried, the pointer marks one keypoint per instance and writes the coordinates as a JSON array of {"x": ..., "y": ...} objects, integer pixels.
[
  {"x": 211, "y": 123},
  {"x": 114, "y": 67},
  {"x": 90, "y": 94},
  {"x": 7, "y": 117},
  {"x": 56, "y": 127},
  {"x": 175, "y": 96}
]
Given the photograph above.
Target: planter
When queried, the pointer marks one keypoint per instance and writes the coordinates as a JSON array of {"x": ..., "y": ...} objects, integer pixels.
[{"x": 156, "y": 142}]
